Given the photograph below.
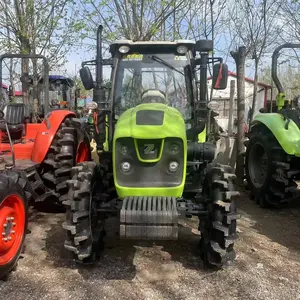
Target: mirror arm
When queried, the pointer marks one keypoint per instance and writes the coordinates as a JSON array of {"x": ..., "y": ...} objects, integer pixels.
[
  {"x": 197, "y": 61},
  {"x": 215, "y": 59}
]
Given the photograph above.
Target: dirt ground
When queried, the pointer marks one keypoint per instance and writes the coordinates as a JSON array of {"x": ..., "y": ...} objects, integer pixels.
[{"x": 267, "y": 264}]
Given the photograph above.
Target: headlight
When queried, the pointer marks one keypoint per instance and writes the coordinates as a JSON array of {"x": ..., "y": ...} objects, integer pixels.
[
  {"x": 182, "y": 49},
  {"x": 124, "y": 149},
  {"x": 125, "y": 166},
  {"x": 173, "y": 166},
  {"x": 124, "y": 49},
  {"x": 174, "y": 149}
]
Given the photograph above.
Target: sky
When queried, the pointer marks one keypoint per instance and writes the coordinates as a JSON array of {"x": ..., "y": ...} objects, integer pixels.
[{"x": 75, "y": 59}]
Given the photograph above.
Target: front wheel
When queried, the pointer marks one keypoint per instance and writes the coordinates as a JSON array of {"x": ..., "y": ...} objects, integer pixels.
[
  {"x": 268, "y": 169},
  {"x": 84, "y": 226},
  {"x": 70, "y": 146},
  {"x": 218, "y": 229},
  {"x": 13, "y": 221}
]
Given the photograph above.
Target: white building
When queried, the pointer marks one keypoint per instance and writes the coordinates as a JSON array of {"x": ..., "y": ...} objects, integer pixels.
[{"x": 222, "y": 96}]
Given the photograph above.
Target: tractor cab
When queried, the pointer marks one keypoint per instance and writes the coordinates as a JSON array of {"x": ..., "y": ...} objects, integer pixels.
[
  {"x": 163, "y": 72},
  {"x": 60, "y": 91},
  {"x": 159, "y": 72}
]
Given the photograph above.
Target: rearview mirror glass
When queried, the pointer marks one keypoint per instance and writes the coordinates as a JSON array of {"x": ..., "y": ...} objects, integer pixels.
[
  {"x": 86, "y": 78},
  {"x": 220, "y": 76}
]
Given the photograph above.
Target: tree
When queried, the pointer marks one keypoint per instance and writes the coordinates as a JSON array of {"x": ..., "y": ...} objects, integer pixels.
[
  {"x": 129, "y": 19},
  {"x": 253, "y": 24},
  {"x": 240, "y": 59},
  {"x": 37, "y": 27}
]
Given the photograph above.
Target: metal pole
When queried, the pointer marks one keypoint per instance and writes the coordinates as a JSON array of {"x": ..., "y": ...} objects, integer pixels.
[
  {"x": 272, "y": 87},
  {"x": 231, "y": 101},
  {"x": 99, "y": 69},
  {"x": 46, "y": 86},
  {"x": 99, "y": 94},
  {"x": 202, "y": 107}
]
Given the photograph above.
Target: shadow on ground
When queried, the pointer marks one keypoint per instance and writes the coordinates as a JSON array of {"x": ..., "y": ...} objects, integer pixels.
[
  {"x": 125, "y": 259},
  {"x": 279, "y": 225}
]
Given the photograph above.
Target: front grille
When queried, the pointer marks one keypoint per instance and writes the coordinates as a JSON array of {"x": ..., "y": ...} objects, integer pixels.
[
  {"x": 149, "y": 174},
  {"x": 149, "y": 218}
]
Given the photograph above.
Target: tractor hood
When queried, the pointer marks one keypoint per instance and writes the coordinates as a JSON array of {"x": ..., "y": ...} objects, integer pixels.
[{"x": 151, "y": 120}]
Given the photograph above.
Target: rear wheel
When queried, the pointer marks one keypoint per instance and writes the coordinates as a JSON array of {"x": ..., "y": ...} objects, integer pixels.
[
  {"x": 13, "y": 221},
  {"x": 84, "y": 225},
  {"x": 268, "y": 169},
  {"x": 218, "y": 229},
  {"x": 70, "y": 145}
]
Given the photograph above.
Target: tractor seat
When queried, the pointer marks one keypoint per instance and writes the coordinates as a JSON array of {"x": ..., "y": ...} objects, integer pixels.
[{"x": 14, "y": 114}]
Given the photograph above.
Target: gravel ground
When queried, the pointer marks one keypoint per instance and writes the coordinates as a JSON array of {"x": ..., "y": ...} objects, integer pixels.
[{"x": 267, "y": 264}]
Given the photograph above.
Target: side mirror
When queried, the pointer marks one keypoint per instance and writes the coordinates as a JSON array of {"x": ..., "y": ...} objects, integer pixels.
[
  {"x": 220, "y": 76},
  {"x": 204, "y": 46},
  {"x": 86, "y": 78},
  {"x": 1, "y": 114}
]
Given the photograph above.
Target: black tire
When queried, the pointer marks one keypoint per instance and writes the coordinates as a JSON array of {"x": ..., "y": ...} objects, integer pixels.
[
  {"x": 85, "y": 227},
  {"x": 264, "y": 153},
  {"x": 218, "y": 229},
  {"x": 61, "y": 157},
  {"x": 12, "y": 184}
]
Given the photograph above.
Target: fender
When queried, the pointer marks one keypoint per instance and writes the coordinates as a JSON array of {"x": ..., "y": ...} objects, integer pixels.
[
  {"x": 46, "y": 133},
  {"x": 289, "y": 139}
]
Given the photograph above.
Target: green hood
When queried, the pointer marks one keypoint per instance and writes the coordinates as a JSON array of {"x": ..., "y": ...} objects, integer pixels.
[{"x": 151, "y": 120}]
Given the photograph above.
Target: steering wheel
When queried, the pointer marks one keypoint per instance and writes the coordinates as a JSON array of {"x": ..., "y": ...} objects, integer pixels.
[{"x": 1, "y": 114}]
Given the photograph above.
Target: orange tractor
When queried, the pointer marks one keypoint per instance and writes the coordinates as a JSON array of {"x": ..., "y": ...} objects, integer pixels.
[{"x": 35, "y": 163}]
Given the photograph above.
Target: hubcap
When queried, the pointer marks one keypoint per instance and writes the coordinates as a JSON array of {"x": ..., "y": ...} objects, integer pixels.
[
  {"x": 12, "y": 226},
  {"x": 258, "y": 165}
]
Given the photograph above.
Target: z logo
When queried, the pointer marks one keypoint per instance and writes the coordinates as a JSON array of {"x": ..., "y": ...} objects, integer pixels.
[{"x": 149, "y": 149}]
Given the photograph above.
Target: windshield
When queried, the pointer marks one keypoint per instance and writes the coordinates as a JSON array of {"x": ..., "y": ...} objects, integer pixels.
[{"x": 153, "y": 78}]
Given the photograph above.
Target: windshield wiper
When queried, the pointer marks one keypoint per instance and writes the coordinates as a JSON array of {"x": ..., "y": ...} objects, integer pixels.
[{"x": 163, "y": 62}]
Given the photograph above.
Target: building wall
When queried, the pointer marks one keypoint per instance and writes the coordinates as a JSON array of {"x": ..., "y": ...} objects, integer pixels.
[{"x": 222, "y": 96}]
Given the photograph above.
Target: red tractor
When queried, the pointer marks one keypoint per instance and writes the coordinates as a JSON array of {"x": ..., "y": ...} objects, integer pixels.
[{"x": 35, "y": 163}]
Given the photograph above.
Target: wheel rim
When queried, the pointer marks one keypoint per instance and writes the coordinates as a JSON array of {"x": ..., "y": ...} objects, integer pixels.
[
  {"x": 82, "y": 153},
  {"x": 258, "y": 165},
  {"x": 12, "y": 224}
]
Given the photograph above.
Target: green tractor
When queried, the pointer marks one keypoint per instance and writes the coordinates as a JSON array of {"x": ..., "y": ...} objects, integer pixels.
[
  {"x": 273, "y": 148},
  {"x": 155, "y": 163}
]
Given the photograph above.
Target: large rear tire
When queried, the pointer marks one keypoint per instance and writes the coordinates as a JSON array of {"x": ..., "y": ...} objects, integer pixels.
[
  {"x": 84, "y": 225},
  {"x": 268, "y": 169},
  {"x": 13, "y": 220},
  {"x": 70, "y": 146},
  {"x": 218, "y": 229}
]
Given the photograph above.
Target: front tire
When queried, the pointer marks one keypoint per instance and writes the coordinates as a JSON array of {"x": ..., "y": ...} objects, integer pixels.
[
  {"x": 70, "y": 146},
  {"x": 268, "y": 169},
  {"x": 84, "y": 226},
  {"x": 13, "y": 220},
  {"x": 218, "y": 229}
]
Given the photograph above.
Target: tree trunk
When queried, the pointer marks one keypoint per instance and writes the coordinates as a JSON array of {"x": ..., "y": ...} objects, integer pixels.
[
  {"x": 25, "y": 83},
  {"x": 240, "y": 59},
  {"x": 254, "y": 89},
  {"x": 231, "y": 103}
]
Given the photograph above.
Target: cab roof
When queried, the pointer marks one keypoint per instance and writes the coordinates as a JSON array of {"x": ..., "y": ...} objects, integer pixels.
[{"x": 141, "y": 46}]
